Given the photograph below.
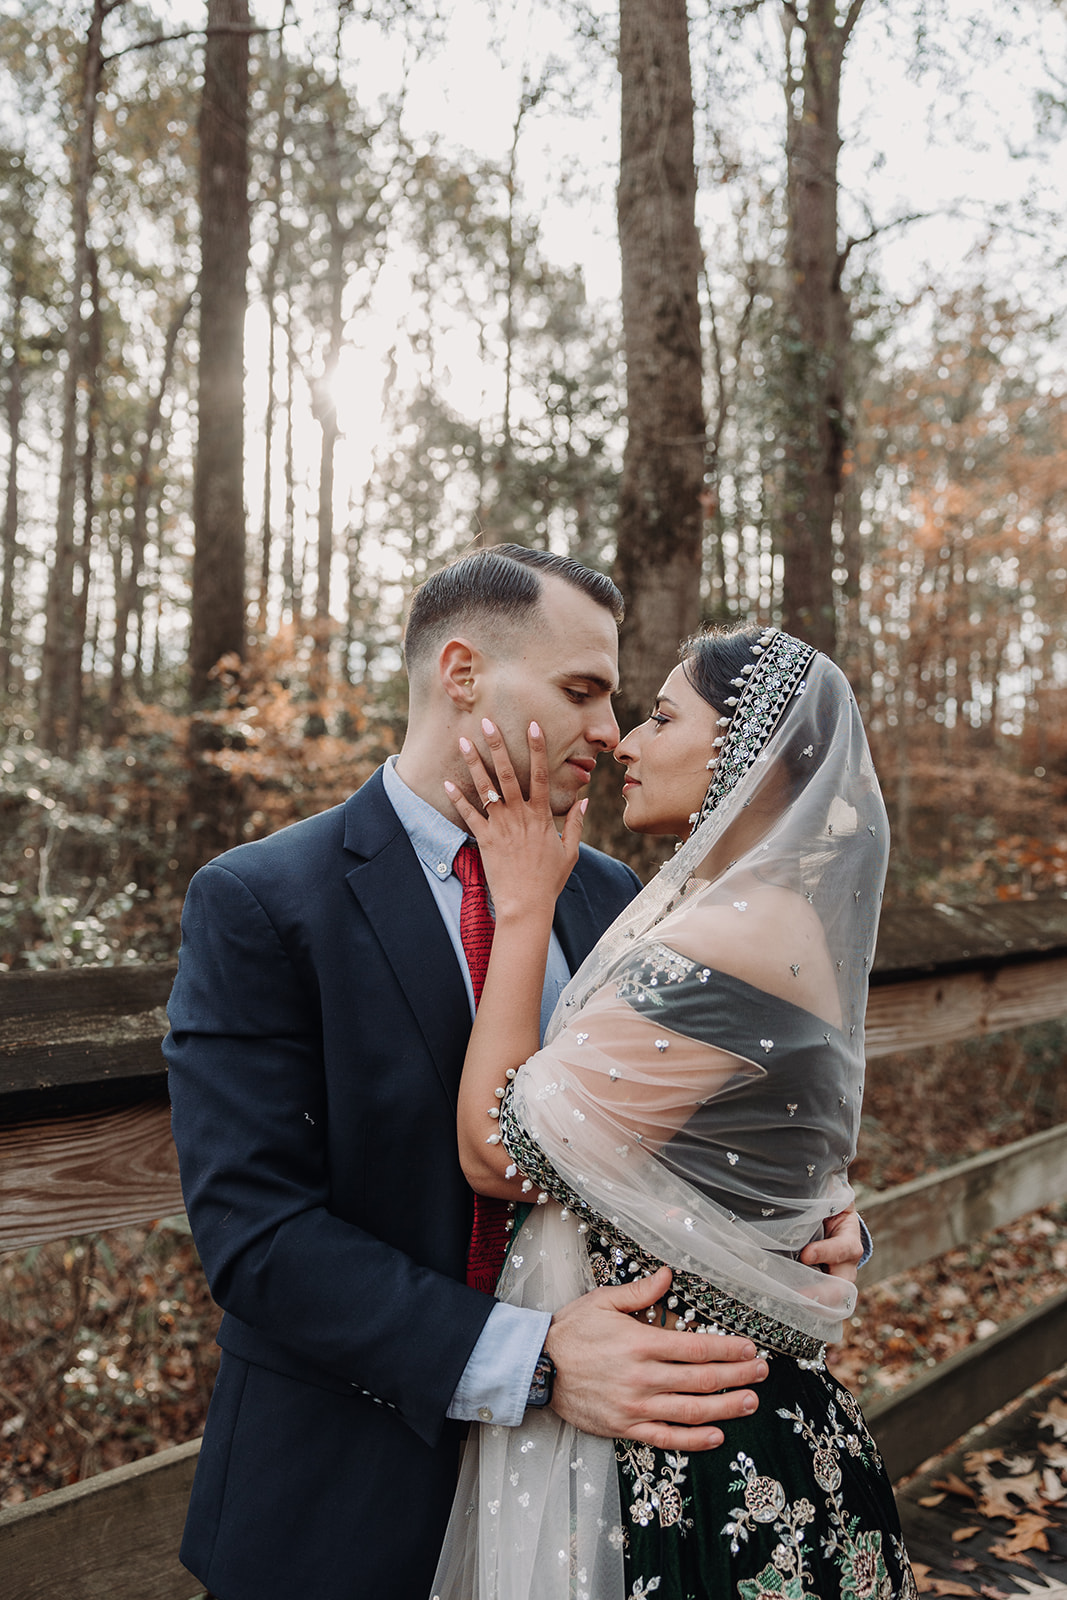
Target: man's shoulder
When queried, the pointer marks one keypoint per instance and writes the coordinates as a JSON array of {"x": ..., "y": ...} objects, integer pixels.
[
  {"x": 295, "y": 842},
  {"x": 314, "y": 841}
]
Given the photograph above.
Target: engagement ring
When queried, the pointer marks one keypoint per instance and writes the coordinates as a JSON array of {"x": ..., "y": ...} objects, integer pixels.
[{"x": 491, "y": 797}]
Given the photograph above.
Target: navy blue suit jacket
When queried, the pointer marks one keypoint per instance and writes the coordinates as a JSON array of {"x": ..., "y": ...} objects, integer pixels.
[{"x": 318, "y": 1027}]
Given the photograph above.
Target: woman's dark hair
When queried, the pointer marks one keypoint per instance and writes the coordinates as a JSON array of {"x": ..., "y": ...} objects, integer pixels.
[
  {"x": 502, "y": 582},
  {"x": 712, "y": 660}
]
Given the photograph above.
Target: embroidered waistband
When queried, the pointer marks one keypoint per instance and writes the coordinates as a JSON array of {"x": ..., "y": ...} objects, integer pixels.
[{"x": 615, "y": 1257}]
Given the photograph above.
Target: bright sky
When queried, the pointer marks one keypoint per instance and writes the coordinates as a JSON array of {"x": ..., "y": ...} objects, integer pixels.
[{"x": 953, "y": 139}]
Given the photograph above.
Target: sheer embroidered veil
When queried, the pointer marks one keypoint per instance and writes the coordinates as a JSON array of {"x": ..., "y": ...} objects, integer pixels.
[{"x": 698, "y": 1095}]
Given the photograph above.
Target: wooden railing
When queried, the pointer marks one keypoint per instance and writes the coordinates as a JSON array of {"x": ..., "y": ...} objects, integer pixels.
[{"x": 85, "y": 1145}]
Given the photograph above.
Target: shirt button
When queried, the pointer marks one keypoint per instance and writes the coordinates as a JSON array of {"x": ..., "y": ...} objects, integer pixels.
[
  {"x": 443, "y": 869},
  {"x": 485, "y": 1413}
]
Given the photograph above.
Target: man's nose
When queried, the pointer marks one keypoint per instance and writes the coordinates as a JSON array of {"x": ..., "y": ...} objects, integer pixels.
[{"x": 605, "y": 731}]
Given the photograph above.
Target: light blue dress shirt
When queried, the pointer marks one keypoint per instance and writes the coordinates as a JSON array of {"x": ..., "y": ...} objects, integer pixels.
[{"x": 495, "y": 1383}]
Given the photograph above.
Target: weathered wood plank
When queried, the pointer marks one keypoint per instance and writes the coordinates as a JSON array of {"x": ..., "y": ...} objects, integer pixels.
[
  {"x": 942, "y": 1210},
  {"x": 80, "y": 1040},
  {"x": 54, "y": 1007},
  {"x": 81, "y": 1174},
  {"x": 931, "y": 1531},
  {"x": 113, "y": 1537},
  {"x": 967, "y": 1005},
  {"x": 926, "y": 1417},
  {"x": 70, "y": 1040},
  {"x": 944, "y": 938}
]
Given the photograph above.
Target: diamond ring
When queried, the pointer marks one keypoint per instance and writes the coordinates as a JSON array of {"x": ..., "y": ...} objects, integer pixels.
[{"x": 491, "y": 797}]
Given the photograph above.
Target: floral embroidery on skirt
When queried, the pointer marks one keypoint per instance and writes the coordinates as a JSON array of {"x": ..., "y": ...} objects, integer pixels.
[{"x": 794, "y": 1505}]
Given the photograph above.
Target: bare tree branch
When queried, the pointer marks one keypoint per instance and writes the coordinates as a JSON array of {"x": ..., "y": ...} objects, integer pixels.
[
  {"x": 851, "y": 18},
  {"x": 186, "y": 33},
  {"x": 879, "y": 228}
]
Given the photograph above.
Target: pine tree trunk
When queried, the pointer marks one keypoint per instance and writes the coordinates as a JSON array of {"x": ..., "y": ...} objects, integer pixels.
[
  {"x": 218, "y": 608},
  {"x": 75, "y": 689},
  {"x": 660, "y": 518},
  {"x": 9, "y": 552},
  {"x": 817, "y": 325},
  {"x": 53, "y": 706},
  {"x": 128, "y": 583}
]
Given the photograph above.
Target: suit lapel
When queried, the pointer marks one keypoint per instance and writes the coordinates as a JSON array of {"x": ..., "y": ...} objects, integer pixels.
[{"x": 389, "y": 884}]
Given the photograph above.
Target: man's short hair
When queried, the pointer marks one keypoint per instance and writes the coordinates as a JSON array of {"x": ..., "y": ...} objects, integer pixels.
[{"x": 500, "y": 584}]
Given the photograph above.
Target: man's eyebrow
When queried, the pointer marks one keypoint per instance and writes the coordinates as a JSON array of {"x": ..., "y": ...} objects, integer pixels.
[{"x": 608, "y": 686}]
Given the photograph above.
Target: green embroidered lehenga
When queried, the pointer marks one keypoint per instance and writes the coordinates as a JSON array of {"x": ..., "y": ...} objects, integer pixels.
[{"x": 697, "y": 1104}]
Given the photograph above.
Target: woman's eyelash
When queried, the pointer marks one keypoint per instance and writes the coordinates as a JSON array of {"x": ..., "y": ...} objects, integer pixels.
[{"x": 657, "y": 716}]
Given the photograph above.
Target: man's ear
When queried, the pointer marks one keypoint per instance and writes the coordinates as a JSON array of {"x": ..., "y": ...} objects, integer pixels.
[{"x": 458, "y": 665}]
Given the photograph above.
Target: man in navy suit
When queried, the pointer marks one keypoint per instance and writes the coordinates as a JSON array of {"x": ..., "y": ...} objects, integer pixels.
[{"x": 318, "y": 1028}]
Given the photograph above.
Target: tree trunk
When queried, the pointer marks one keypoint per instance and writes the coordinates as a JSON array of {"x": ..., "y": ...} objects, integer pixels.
[
  {"x": 74, "y": 695},
  {"x": 292, "y": 603},
  {"x": 53, "y": 707},
  {"x": 10, "y": 549},
  {"x": 817, "y": 325},
  {"x": 270, "y": 286},
  {"x": 128, "y": 583},
  {"x": 658, "y": 541},
  {"x": 218, "y": 609}
]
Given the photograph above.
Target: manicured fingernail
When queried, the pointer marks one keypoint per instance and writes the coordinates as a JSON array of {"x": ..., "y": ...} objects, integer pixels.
[
  {"x": 451, "y": 787},
  {"x": 535, "y": 732},
  {"x": 487, "y": 726},
  {"x": 584, "y": 806},
  {"x": 465, "y": 746}
]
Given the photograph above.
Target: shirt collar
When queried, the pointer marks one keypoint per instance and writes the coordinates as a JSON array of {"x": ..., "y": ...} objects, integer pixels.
[{"x": 434, "y": 839}]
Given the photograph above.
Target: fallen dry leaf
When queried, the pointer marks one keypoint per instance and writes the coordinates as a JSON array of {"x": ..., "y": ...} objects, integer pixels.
[
  {"x": 959, "y": 1534},
  {"x": 1053, "y": 1489},
  {"x": 955, "y": 1485},
  {"x": 1054, "y": 1454},
  {"x": 1027, "y": 1534},
  {"x": 926, "y": 1583},
  {"x": 931, "y": 1499},
  {"x": 998, "y": 1493},
  {"x": 1019, "y": 1558},
  {"x": 1055, "y": 1417},
  {"x": 1048, "y": 1589}
]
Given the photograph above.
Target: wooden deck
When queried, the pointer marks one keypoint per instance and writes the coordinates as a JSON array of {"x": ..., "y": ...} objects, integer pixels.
[
  {"x": 85, "y": 1145},
  {"x": 1017, "y": 1462}
]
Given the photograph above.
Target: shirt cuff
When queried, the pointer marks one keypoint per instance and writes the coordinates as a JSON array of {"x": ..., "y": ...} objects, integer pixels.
[
  {"x": 495, "y": 1384},
  {"x": 868, "y": 1243}
]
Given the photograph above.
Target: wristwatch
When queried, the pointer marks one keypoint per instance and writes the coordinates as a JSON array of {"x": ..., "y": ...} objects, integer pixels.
[{"x": 544, "y": 1375}]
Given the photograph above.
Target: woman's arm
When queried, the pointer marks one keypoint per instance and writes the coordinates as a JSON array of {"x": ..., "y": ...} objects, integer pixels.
[{"x": 527, "y": 862}]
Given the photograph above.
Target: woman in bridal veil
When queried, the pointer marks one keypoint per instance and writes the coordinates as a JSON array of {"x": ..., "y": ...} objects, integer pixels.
[{"x": 696, "y": 1104}]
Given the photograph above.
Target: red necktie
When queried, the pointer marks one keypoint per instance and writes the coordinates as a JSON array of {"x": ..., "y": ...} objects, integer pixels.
[{"x": 490, "y": 1235}]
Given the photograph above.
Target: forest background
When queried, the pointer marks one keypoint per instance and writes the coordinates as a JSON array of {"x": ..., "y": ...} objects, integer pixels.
[{"x": 759, "y": 306}]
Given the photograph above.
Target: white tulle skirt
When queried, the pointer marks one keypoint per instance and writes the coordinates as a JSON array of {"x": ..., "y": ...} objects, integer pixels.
[{"x": 536, "y": 1514}]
